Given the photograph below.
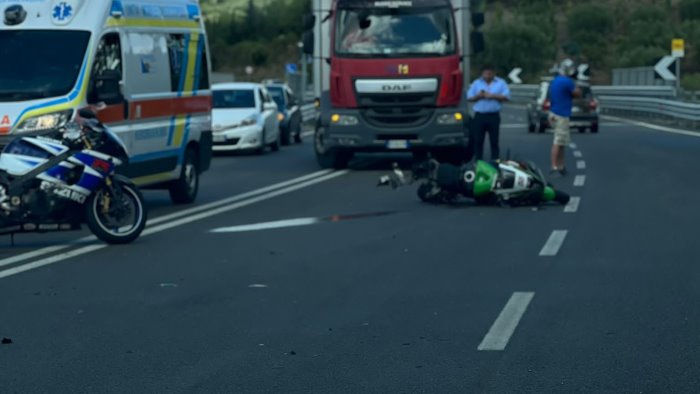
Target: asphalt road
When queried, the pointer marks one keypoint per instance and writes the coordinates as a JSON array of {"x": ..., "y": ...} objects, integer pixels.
[{"x": 366, "y": 290}]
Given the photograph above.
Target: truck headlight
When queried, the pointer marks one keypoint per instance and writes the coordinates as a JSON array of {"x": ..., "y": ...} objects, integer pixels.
[
  {"x": 344, "y": 120},
  {"x": 45, "y": 122},
  {"x": 447, "y": 119}
]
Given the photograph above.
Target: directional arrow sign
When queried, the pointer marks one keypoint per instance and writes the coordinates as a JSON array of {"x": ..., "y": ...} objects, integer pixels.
[
  {"x": 515, "y": 75},
  {"x": 663, "y": 68}
]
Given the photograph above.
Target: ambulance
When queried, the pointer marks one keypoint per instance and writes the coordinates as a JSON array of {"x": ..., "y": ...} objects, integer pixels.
[{"x": 144, "y": 63}]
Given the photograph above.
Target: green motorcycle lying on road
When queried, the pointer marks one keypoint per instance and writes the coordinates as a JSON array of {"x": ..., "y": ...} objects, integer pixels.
[{"x": 508, "y": 182}]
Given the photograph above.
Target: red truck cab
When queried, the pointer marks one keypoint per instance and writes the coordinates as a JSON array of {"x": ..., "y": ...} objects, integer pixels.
[{"x": 389, "y": 77}]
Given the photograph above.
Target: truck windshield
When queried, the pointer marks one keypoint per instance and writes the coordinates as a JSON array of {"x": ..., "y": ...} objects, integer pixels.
[
  {"x": 382, "y": 32},
  {"x": 38, "y": 64}
]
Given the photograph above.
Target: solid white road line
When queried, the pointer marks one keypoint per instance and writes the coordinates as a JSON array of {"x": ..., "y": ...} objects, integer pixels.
[
  {"x": 151, "y": 222},
  {"x": 577, "y": 153},
  {"x": 653, "y": 126},
  {"x": 554, "y": 243},
  {"x": 572, "y": 206},
  {"x": 268, "y": 225},
  {"x": 581, "y": 165},
  {"x": 580, "y": 181},
  {"x": 50, "y": 260},
  {"x": 173, "y": 224},
  {"x": 503, "y": 328},
  {"x": 514, "y": 126}
]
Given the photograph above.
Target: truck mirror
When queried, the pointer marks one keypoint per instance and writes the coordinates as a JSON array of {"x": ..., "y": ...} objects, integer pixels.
[
  {"x": 478, "y": 43},
  {"x": 108, "y": 87},
  {"x": 308, "y": 41},
  {"x": 309, "y": 21}
]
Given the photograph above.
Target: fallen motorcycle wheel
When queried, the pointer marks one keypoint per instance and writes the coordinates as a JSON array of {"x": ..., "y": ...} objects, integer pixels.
[
  {"x": 117, "y": 217},
  {"x": 561, "y": 197}
]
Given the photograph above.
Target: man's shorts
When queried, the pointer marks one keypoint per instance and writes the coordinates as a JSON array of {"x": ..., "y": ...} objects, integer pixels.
[{"x": 562, "y": 131}]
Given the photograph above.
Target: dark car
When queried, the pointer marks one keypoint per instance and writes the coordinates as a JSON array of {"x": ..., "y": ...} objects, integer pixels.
[
  {"x": 289, "y": 112},
  {"x": 584, "y": 114}
]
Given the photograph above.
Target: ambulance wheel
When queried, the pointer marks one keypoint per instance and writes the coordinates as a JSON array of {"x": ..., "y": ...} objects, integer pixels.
[{"x": 184, "y": 190}]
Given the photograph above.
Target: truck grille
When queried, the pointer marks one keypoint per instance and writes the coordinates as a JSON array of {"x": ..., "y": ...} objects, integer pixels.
[{"x": 397, "y": 110}]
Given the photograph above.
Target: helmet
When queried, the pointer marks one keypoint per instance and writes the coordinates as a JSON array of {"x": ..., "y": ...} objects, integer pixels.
[{"x": 567, "y": 68}]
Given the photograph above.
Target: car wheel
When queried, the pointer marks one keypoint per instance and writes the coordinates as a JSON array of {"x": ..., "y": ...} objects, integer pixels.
[
  {"x": 184, "y": 190},
  {"x": 276, "y": 144},
  {"x": 263, "y": 145},
  {"x": 286, "y": 135},
  {"x": 530, "y": 127},
  {"x": 297, "y": 135}
]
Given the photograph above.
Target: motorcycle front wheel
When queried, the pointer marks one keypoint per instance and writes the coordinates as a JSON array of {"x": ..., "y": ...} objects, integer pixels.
[
  {"x": 116, "y": 215},
  {"x": 561, "y": 197}
]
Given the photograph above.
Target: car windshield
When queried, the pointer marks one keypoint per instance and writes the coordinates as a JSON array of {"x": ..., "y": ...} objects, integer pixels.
[
  {"x": 419, "y": 31},
  {"x": 277, "y": 94},
  {"x": 244, "y": 98},
  {"x": 38, "y": 64}
]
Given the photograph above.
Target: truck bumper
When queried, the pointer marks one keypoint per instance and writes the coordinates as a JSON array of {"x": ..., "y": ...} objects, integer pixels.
[{"x": 366, "y": 137}]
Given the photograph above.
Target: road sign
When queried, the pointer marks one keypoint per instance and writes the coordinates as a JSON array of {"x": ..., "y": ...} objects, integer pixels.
[
  {"x": 678, "y": 48},
  {"x": 291, "y": 68},
  {"x": 584, "y": 72},
  {"x": 515, "y": 75},
  {"x": 664, "y": 68}
]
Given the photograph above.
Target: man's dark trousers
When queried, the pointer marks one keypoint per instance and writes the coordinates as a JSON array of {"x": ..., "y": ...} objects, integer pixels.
[{"x": 486, "y": 123}]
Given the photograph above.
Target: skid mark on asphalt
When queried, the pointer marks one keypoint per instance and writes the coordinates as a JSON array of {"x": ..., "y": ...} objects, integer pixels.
[
  {"x": 580, "y": 181},
  {"x": 554, "y": 243},
  {"x": 502, "y": 330}
]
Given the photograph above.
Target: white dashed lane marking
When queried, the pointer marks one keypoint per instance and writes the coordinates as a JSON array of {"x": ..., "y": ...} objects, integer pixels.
[
  {"x": 554, "y": 243},
  {"x": 572, "y": 206},
  {"x": 580, "y": 181},
  {"x": 503, "y": 328},
  {"x": 581, "y": 165}
]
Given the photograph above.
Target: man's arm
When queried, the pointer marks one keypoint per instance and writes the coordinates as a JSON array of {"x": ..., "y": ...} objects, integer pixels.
[
  {"x": 576, "y": 91},
  {"x": 503, "y": 94},
  {"x": 473, "y": 95}
]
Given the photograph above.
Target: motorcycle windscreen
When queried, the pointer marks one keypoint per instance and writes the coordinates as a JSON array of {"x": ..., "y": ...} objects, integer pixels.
[{"x": 24, "y": 148}]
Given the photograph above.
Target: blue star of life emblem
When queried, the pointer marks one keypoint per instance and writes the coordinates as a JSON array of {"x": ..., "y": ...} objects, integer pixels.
[{"x": 62, "y": 11}]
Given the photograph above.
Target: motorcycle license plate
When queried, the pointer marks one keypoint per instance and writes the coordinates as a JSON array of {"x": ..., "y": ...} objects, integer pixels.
[{"x": 397, "y": 144}]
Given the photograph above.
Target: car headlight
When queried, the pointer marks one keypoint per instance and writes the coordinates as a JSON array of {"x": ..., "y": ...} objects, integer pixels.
[
  {"x": 280, "y": 116},
  {"x": 455, "y": 118},
  {"x": 248, "y": 121},
  {"x": 344, "y": 120},
  {"x": 45, "y": 122}
]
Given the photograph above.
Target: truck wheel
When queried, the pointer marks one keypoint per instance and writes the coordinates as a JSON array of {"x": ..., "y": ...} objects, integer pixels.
[
  {"x": 329, "y": 158},
  {"x": 594, "y": 128},
  {"x": 184, "y": 190}
]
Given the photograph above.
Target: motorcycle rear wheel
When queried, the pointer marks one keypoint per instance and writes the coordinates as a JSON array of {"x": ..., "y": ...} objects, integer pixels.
[{"x": 111, "y": 226}]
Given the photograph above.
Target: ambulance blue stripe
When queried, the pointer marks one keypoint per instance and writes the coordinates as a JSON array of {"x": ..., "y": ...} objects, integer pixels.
[{"x": 171, "y": 131}]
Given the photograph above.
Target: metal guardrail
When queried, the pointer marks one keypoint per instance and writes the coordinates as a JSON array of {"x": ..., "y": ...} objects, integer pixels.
[
  {"x": 646, "y": 105},
  {"x": 635, "y": 100},
  {"x": 308, "y": 112}
]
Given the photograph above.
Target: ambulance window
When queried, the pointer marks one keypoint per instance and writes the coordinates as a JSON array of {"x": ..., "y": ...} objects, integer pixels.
[
  {"x": 107, "y": 59},
  {"x": 176, "y": 52}
]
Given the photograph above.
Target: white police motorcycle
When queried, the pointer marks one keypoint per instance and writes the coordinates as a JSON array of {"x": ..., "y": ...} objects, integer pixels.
[{"x": 66, "y": 178}]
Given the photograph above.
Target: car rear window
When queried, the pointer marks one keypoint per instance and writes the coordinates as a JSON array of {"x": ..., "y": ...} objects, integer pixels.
[{"x": 234, "y": 98}]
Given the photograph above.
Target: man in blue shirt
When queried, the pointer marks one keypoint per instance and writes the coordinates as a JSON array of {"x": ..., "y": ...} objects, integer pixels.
[
  {"x": 562, "y": 91},
  {"x": 488, "y": 93}
]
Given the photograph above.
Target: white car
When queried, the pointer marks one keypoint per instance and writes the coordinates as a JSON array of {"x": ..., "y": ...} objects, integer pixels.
[{"x": 244, "y": 117}]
